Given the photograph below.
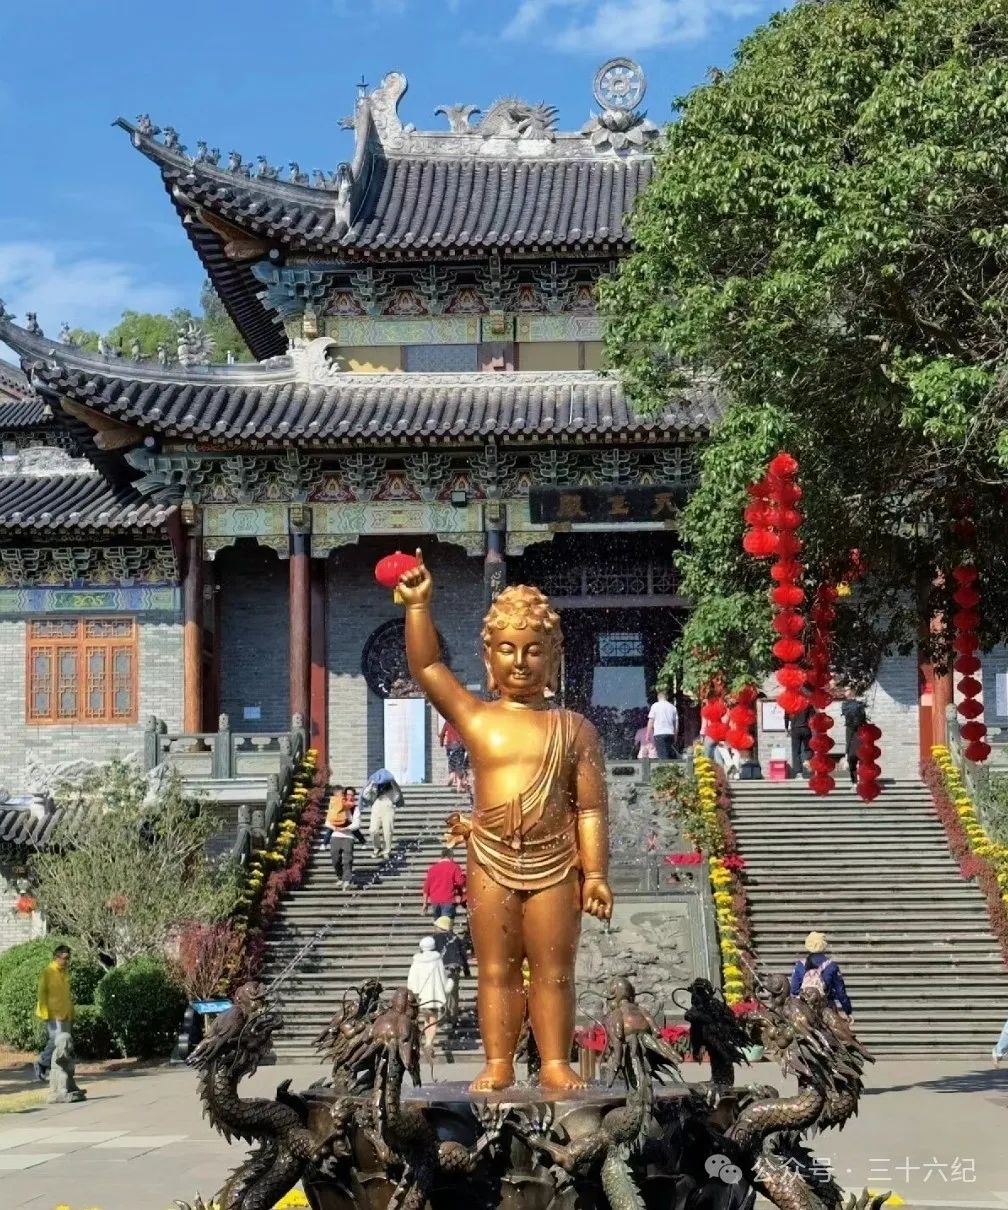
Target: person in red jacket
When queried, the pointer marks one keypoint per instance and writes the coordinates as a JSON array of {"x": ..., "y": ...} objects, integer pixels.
[{"x": 444, "y": 886}]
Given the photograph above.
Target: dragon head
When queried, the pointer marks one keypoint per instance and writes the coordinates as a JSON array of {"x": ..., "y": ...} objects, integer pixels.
[{"x": 241, "y": 1037}]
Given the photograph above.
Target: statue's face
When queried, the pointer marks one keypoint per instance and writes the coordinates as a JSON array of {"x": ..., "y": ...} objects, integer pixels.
[{"x": 520, "y": 663}]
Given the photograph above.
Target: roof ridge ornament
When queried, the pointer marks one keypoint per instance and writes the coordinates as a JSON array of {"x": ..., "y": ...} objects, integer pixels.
[
  {"x": 459, "y": 117},
  {"x": 619, "y": 87},
  {"x": 513, "y": 118},
  {"x": 313, "y": 361}
]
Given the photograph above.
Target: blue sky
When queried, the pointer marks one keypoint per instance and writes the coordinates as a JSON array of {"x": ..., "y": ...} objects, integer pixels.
[{"x": 86, "y": 228}]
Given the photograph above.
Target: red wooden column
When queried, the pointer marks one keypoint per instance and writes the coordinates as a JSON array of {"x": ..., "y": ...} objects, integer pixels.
[
  {"x": 192, "y": 635},
  {"x": 300, "y": 623},
  {"x": 318, "y": 726}
]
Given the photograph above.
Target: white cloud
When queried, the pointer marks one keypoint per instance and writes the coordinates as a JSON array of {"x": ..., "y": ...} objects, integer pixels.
[
  {"x": 66, "y": 282},
  {"x": 614, "y": 26}
]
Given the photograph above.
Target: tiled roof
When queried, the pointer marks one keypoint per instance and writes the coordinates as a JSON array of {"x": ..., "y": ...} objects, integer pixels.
[
  {"x": 302, "y": 398},
  {"x": 448, "y": 206},
  {"x": 38, "y": 503},
  {"x": 20, "y": 407},
  {"x": 22, "y": 827}
]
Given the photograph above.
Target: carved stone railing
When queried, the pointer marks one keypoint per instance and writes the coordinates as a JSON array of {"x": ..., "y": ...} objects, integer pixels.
[
  {"x": 269, "y": 757},
  {"x": 224, "y": 753}
]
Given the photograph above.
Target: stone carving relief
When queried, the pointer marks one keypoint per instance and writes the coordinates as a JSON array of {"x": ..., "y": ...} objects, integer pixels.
[{"x": 315, "y": 361}]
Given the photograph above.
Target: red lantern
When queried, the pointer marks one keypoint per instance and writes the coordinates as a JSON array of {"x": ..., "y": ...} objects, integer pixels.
[
  {"x": 788, "y": 624},
  {"x": 969, "y": 686},
  {"x": 717, "y": 732},
  {"x": 966, "y": 619},
  {"x": 821, "y": 742},
  {"x": 788, "y": 650},
  {"x": 788, "y": 544},
  {"x": 973, "y": 731},
  {"x": 25, "y": 904},
  {"x": 783, "y": 466},
  {"x": 740, "y": 740},
  {"x": 966, "y": 597},
  {"x": 785, "y": 571},
  {"x": 821, "y": 700},
  {"x": 792, "y": 702},
  {"x": 790, "y": 676},
  {"x": 756, "y": 514},
  {"x": 760, "y": 543},
  {"x": 965, "y": 573},
  {"x": 970, "y": 708},
  {"x": 978, "y": 751},
  {"x": 712, "y": 710},
  {"x": 821, "y": 783},
  {"x": 390, "y": 570},
  {"x": 967, "y": 664}
]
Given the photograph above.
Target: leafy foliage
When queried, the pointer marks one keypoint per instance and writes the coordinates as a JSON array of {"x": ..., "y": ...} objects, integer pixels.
[
  {"x": 826, "y": 234},
  {"x": 19, "y": 977},
  {"x": 150, "y": 330},
  {"x": 142, "y": 1006},
  {"x": 134, "y": 871}
]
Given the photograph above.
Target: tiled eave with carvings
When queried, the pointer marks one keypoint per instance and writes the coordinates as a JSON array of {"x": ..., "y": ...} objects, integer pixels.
[
  {"x": 306, "y": 400},
  {"x": 508, "y": 184}
]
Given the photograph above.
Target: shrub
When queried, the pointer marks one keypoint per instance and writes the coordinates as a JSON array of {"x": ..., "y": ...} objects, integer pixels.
[
  {"x": 142, "y": 1006},
  {"x": 207, "y": 956},
  {"x": 92, "y": 1039},
  {"x": 19, "y": 976}
]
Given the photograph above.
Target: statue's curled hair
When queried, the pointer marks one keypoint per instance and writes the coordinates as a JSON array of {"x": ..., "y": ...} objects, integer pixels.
[{"x": 519, "y": 608}]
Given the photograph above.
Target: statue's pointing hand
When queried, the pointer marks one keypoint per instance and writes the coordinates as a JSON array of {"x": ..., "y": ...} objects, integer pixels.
[{"x": 417, "y": 585}]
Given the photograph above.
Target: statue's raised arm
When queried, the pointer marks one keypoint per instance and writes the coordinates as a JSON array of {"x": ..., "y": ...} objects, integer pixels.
[{"x": 423, "y": 649}]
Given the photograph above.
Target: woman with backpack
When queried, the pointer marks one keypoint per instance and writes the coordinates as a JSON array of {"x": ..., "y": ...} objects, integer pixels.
[{"x": 818, "y": 970}]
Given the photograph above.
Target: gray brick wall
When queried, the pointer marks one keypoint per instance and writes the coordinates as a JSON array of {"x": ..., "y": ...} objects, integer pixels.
[
  {"x": 356, "y": 607},
  {"x": 893, "y": 704},
  {"x": 15, "y": 928},
  {"x": 254, "y": 611},
  {"x": 160, "y": 681}
]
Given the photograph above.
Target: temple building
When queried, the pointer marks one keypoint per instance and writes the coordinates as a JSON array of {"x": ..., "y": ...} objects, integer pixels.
[{"x": 183, "y": 540}]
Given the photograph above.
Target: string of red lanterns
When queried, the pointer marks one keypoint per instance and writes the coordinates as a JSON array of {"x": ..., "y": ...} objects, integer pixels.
[
  {"x": 822, "y": 764},
  {"x": 868, "y": 770},
  {"x": 742, "y": 719},
  {"x": 966, "y": 643},
  {"x": 784, "y": 519}
]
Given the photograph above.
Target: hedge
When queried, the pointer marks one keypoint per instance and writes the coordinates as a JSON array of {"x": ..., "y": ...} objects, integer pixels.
[
  {"x": 20, "y": 968},
  {"x": 142, "y": 1006}
]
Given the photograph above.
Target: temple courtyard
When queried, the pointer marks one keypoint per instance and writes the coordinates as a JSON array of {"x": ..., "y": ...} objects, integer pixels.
[{"x": 932, "y": 1132}]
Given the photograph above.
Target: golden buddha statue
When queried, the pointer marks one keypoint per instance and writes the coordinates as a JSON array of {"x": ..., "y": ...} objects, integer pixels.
[{"x": 538, "y": 842}]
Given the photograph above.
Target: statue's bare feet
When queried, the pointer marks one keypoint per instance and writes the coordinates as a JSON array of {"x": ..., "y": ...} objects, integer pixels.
[
  {"x": 558, "y": 1076},
  {"x": 497, "y": 1074}
]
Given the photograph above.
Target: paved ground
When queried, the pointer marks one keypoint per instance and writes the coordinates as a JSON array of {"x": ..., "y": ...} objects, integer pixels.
[{"x": 933, "y": 1133}]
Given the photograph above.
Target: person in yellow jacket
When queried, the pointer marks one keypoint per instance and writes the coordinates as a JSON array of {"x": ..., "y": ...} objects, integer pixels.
[{"x": 55, "y": 1005}]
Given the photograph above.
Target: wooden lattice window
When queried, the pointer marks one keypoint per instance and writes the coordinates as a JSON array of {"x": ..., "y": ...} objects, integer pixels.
[{"x": 82, "y": 670}]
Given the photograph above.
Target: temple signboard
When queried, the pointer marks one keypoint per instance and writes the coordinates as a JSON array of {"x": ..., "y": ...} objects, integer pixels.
[{"x": 597, "y": 505}]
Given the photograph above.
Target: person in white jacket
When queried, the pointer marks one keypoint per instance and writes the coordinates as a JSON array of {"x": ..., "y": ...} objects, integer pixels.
[{"x": 428, "y": 982}]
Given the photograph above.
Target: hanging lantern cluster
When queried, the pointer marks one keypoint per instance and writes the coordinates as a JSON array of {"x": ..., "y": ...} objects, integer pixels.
[
  {"x": 742, "y": 719},
  {"x": 823, "y": 615},
  {"x": 759, "y": 540},
  {"x": 783, "y": 519},
  {"x": 966, "y": 642},
  {"x": 868, "y": 770},
  {"x": 713, "y": 713}
]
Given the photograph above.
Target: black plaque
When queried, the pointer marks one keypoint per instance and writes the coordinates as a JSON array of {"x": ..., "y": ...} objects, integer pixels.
[{"x": 569, "y": 505}]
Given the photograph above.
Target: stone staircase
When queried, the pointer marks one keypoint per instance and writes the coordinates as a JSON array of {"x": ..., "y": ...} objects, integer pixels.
[
  {"x": 378, "y": 924},
  {"x": 912, "y": 937}
]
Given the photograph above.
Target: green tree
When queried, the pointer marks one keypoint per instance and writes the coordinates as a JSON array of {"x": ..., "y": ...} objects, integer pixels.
[
  {"x": 133, "y": 870},
  {"x": 220, "y": 327},
  {"x": 826, "y": 234},
  {"x": 148, "y": 331}
]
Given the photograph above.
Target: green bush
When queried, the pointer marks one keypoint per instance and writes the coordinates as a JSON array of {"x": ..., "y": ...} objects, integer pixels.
[
  {"x": 20, "y": 968},
  {"x": 142, "y": 1006},
  {"x": 91, "y": 1034}
]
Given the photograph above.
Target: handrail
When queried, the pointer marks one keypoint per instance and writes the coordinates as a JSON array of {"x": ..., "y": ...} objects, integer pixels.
[{"x": 224, "y": 745}]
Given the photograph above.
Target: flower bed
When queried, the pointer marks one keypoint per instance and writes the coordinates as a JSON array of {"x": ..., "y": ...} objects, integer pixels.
[
  {"x": 274, "y": 872},
  {"x": 702, "y": 806},
  {"x": 979, "y": 857}
]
